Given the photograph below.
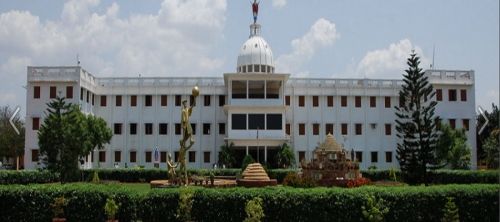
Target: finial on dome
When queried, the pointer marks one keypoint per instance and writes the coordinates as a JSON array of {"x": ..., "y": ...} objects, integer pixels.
[{"x": 255, "y": 10}]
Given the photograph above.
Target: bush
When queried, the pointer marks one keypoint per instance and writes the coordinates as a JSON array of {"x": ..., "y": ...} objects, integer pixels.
[
  {"x": 27, "y": 177},
  {"x": 476, "y": 202},
  {"x": 292, "y": 179},
  {"x": 441, "y": 176},
  {"x": 247, "y": 160}
]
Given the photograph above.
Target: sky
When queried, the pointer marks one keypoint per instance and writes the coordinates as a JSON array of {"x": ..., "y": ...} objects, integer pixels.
[{"x": 317, "y": 38}]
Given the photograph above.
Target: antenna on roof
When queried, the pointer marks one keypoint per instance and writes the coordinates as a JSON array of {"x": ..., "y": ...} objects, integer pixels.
[
  {"x": 77, "y": 59},
  {"x": 433, "y": 54}
]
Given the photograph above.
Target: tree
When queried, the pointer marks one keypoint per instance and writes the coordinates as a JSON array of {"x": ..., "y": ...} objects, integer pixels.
[
  {"x": 493, "y": 125},
  {"x": 247, "y": 160},
  {"x": 285, "y": 157},
  {"x": 491, "y": 149},
  {"x": 450, "y": 211},
  {"x": 67, "y": 134},
  {"x": 11, "y": 143},
  {"x": 416, "y": 124},
  {"x": 452, "y": 149},
  {"x": 226, "y": 155}
]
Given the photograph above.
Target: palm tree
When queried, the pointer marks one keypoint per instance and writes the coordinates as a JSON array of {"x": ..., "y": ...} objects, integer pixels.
[{"x": 285, "y": 157}]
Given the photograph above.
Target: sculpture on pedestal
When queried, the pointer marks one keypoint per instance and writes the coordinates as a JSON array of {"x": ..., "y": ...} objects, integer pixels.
[{"x": 187, "y": 134}]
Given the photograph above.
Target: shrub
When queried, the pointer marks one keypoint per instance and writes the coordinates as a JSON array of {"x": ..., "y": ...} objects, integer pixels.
[
  {"x": 247, "y": 160},
  {"x": 294, "y": 180},
  {"x": 58, "y": 206},
  {"x": 111, "y": 208},
  {"x": 27, "y": 177},
  {"x": 185, "y": 204},
  {"x": 95, "y": 177},
  {"x": 254, "y": 211},
  {"x": 374, "y": 209},
  {"x": 450, "y": 212}
]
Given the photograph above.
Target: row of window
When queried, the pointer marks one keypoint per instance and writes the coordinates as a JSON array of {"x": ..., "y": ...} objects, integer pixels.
[
  {"x": 358, "y": 156},
  {"x": 52, "y": 92},
  {"x": 343, "y": 101},
  {"x": 256, "y": 68},
  {"x": 269, "y": 121},
  {"x": 329, "y": 128},
  {"x": 255, "y": 89},
  {"x": 148, "y": 100},
  {"x": 163, "y": 128},
  {"x": 452, "y": 95},
  {"x": 148, "y": 156}
]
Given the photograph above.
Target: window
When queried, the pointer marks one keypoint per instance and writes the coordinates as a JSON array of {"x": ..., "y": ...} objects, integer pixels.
[
  {"x": 329, "y": 128},
  {"x": 88, "y": 96},
  {"x": 222, "y": 100},
  {"x": 118, "y": 128},
  {"x": 302, "y": 129},
  {"x": 193, "y": 126},
  {"x": 206, "y": 100},
  {"x": 315, "y": 128},
  {"x": 69, "y": 92},
  {"x": 329, "y": 101},
  {"x": 192, "y": 156},
  {"x": 206, "y": 128},
  {"x": 53, "y": 92},
  {"x": 274, "y": 121},
  {"x": 287, "y": 129},
  {"x": 239, "y": 89},
  {"x": 133, "y": 128},
  {"x": 373, "y": 101},
  {"x": 388, "y": 157},
  {"x": 36, "y": 92},
  {"x": 102, "y": 156},
  {"x": 36, "y": 123},
  {"x": 176, "y": 156},
  {"x": 452, "y": 95},
  {"x": 163, "y": 128},
  {"x": 256, "y": 121},
  {"x": 301, "y": 101},
  {"x": 118, "y": 101},
  {"x": 222, "y": 129},
  {"x": 344, "y": 128},
  {"x": 239, "y": 121},
  {"x": 177, "y": 129},
  {"x": 359, "y": 156},
  {"x": 133, "y": 100},
  {"x": 463, "y": 95},
  {"x": 343, "y": 101},
  {"x": 250, "y": 68},
  {"x": 439, "y": 94},
  {"x": 256, "y": 89},
  {"x": 163, "y": 156},
  {"x": 287, "y": 100},
  {"x": 148, "y": 127},
  {"x": 178, "y": 100},
  {"x": 81, "y": 93},
  {"x": 273, "y": 89},
  {"x": 257, "y": 68},
  {"x": 133, "y": 156},
  {"x": 34, "y": 155},
  {"x": 315, "y": 101},
  {"x": 103, "y": 101},
  {"x": 163, "y": 100},
  {"x": 359, "y": 128},
  {"x": 357, "y": 101},
  {"x": 465, "y": 123},
  {"x": 302, "y": 156},
  {"x": 206, "y": 157},
  {"x": 452, "y": 123},
  {"x": 118, "y": 156},
  {"x": 374, "y": 156},
  {"x": 148, "y": 156},
  {"x": 149, "y": 100},
  {"x": 388, "y": 130},
  {"x": 387, "y": 102}
]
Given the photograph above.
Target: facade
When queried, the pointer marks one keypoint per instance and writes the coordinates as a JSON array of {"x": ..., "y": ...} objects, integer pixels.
[{"x": 254, "y": 108}]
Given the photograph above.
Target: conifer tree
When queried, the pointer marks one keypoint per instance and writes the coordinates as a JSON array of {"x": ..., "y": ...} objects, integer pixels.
[{"x": 416, "y": 124}]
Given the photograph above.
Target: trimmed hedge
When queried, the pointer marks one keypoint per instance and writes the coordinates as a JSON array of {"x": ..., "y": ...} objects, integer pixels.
[
  {"x": 146, "y": 175},
  {"x": 477, "y": 202},
  {"x": 27, "y": 177}
]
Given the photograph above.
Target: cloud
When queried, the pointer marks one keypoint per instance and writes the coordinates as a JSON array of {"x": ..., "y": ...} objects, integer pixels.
[
  {"x": 177, "y": 40},
  {"x": 279, "y": 3},
  {"x": 389, "y": 62},
  {"x": 322, "y": 33}
]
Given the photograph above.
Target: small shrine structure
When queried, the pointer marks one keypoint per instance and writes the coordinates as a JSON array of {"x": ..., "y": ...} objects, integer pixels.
[{"x": 331, "y": 164}]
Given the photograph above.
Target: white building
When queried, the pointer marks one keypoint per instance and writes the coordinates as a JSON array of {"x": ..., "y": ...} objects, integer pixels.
[{"x": 255, "y": 108}]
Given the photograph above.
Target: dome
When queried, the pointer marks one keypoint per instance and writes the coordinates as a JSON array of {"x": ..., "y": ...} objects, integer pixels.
[
  {"x": 330, "y": 144},
  {"x": 255, "y": 55}
]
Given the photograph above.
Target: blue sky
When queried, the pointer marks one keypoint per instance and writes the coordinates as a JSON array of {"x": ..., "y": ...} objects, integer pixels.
[{"x": 319, "y": 38}]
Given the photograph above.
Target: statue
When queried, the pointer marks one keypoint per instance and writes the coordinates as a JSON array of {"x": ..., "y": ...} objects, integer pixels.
[
  {"x": 187, "y": 134},
  {"x": 171, "y": 165},
  {"x": 255, "y": 10}
]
